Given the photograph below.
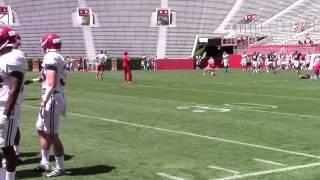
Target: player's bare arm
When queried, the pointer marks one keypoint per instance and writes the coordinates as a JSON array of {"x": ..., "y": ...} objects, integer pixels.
[
  {"x": 51, "y": 80},
  {"x": 15, "y": 84},
  {"x": 30, "y": 81}
]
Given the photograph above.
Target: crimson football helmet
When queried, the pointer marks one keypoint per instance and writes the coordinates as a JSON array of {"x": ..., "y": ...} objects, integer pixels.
[
  {"x": 7, "y": 37},
  {"x": 50, "y": 41}
]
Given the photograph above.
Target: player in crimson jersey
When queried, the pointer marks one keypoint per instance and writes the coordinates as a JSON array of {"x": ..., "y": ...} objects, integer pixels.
[
  {"x": 127, "y": 74},
  {"x": 316, "y": 68},
  {"x": 211, "y": 68}
]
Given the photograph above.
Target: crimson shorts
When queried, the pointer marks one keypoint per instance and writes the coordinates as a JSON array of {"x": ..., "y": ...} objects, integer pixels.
[{"x": 101, "y": 67}]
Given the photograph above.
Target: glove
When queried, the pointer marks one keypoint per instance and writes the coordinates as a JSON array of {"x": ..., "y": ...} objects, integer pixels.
[
  {"x": 3, "y": 122},
  {"x": 26, "y": 82}
]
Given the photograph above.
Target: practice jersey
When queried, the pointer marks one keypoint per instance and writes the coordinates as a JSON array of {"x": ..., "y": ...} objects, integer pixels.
[
  {"x": 53, "y": 59},
  {"x": 101, "y": 58},
  {"x": 225, "y": 59},
  {"x": 10, "y": 62},
  {"x": 244, "y": 59}
]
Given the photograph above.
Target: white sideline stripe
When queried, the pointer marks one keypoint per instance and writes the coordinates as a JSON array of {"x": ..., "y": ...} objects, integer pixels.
[
  {"x": 270, "y": 171},
  {"x": 210, "y": 105},
  {"x": 169, "y": 176},
  {"x": 191, "y": 134},
  {"x": 224, "y": 169},
  {"x": 269, "y": 162}
]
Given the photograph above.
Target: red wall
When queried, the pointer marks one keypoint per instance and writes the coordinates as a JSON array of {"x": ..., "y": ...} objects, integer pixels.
[
  {"x": 235, "y": 61},
  {"x": 189, "y": 63},
  {"x": 175, "y": 64}
]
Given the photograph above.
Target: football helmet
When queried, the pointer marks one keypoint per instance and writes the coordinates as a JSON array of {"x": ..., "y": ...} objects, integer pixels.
[
  {"x": 7, "y": 37},
  {"x": 50, "y": 41}
]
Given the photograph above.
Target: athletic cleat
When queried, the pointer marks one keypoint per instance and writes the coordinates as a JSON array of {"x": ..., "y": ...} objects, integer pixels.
[
  {"x": 42, "y": 168},
  {"x": 55, "y": 173}
]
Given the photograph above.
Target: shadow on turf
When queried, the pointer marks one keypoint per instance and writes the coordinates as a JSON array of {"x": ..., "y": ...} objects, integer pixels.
[
  {"x": 83, "y": 171},
  {"x": 32, "y": 99},
  {"x": 92, "y": 170},
  {"x": 36, "y": 158}
]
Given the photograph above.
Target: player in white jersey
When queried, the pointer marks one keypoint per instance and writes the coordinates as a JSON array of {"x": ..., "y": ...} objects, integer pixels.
[
  {"x": 288, "y": 61},
  {"x": 255, "y": 62},
  {"x": 225, "y": 61},
  {"x": 53, "y": 104},
  {"x": 307, "y": 61},
  {"x": 101, "y": 60},
  {"x": 244, "y": 62},
  {"x": 17, "y": 109},
  {"x": 12, "y": 70}
]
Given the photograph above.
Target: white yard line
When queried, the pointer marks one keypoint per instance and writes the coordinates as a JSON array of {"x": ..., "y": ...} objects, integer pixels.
[
  {"x": 210, "y": 105},
  {"x": 224, "y": 169},
  {"x": 292, "y": 168},
  {"x": 165, "y": 175},
  {"x": 269, "y": 162},
  {"x": 190, "y": 134}
]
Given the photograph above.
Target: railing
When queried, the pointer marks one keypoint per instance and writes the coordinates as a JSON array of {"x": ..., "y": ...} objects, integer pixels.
[{"x": 279, "y": 30}]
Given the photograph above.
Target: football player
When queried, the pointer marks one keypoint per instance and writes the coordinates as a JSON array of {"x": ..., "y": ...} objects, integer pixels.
[
  {"x": 244, "y": 61},
  {"x": 17, "y": 108},
  {"x": 316, "y": 67},
  {"x": 225, "y": 61},
  {"x": 101, "y": 59},
  {"x": 255, "y": 62},
  {"x": 53, "y": 104},
  {"x": 210, "y": 67},
  {"x": 12, "y": 71}
]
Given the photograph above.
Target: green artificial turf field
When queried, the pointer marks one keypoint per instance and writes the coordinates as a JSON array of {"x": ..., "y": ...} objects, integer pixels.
[{"x": 183, "y": 125}]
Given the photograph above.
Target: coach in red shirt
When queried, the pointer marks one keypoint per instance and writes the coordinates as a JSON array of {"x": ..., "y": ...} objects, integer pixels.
[{"x": 127, "y": 75}]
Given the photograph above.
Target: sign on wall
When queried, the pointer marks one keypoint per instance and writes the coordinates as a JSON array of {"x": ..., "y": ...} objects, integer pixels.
[
  {"x": 163, "y": 17},
  {"x": 85, "y": 16}
]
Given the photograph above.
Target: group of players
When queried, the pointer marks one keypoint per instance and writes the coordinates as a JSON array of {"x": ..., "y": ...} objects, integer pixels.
[
  {"x": 273, "y": 63},
  {"x": 270, "y": 63},
  {"x": 148, "y": 63},
  {"x": 12, "y": 92}
]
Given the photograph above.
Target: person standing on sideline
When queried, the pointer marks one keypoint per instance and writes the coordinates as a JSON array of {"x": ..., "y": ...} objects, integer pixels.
[
  {"x": 53, "y": 104},
  {"x": 101, "y": 59},
  {"x": 12, "y": 71},
  {"x": 127, "y": 74}
]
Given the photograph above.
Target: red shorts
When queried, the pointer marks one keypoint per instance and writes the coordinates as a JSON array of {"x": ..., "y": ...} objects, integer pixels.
[
  {"x": 101, "y": 67},
  {"x": 212, "y": 66}
]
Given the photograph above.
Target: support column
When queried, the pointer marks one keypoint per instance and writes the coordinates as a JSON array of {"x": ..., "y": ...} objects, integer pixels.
[
  {"x": 162, "y": 37},
  {"x": 88, "y": 37}
]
